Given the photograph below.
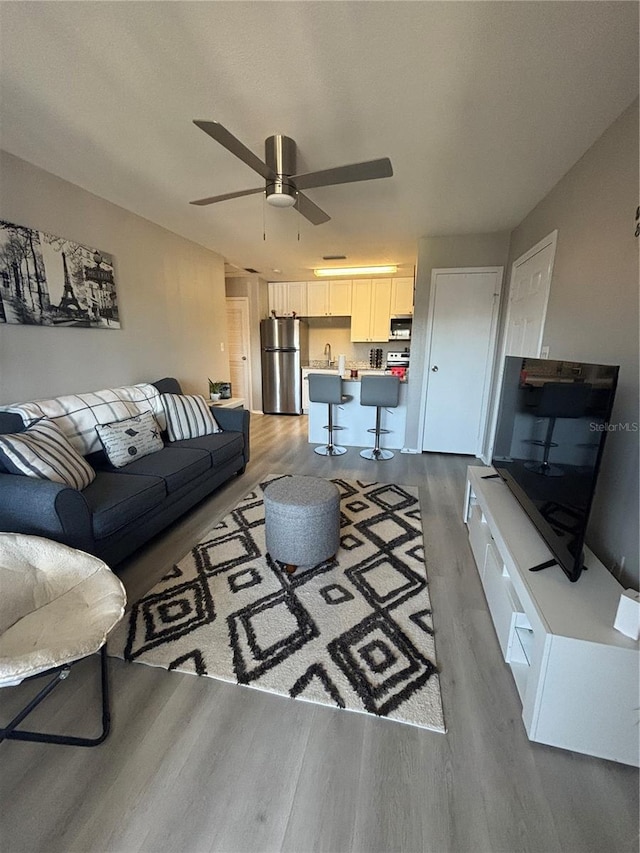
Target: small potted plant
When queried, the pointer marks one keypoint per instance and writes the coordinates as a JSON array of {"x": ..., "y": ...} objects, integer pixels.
[{"x": 214, "y": 391}]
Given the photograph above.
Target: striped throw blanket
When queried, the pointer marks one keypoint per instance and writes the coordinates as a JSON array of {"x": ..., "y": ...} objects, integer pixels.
[{"x": 78, "y": 414}]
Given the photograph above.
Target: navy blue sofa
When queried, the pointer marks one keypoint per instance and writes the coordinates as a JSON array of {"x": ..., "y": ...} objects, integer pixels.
[{"x": 123, "y": 508}]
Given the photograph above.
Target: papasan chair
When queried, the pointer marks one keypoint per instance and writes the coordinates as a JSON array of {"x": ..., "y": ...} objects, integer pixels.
[{"x": 57, "y": 606}]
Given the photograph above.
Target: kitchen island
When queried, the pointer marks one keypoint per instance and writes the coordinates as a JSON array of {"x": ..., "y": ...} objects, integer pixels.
[{"x": 357, "y": 419}]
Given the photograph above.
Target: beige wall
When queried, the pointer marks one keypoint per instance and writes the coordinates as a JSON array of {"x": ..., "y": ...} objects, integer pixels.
[
  {"x": 464, "y": 250},
  {"x": 593, "y": 310},
  {"x": 169, "y": 293}
]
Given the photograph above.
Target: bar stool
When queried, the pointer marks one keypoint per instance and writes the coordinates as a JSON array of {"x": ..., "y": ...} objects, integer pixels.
[
  {"x": 327, "y": 388},
  {"x": 556, "y": 400},
  {"x": 381, "y": 392}
]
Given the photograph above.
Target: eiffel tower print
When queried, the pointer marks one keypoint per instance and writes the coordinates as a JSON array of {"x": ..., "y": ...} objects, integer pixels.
[
  {"x": 69, "y": 305},
  {"x": 37, "y": 290}
]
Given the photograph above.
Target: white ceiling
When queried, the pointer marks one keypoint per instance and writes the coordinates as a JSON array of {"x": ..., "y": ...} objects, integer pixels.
[{"x": 481, "y": 106}]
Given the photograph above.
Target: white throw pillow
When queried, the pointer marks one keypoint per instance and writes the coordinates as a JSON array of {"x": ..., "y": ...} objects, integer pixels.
[
  {"x": 130, "y": 439},
  {"x": 188, "y": 417},
  {"x": 43, "y": 451}
]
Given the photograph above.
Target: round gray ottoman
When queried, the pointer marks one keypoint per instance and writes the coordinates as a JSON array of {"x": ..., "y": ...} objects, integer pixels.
[{"x": 302, "y": 521}]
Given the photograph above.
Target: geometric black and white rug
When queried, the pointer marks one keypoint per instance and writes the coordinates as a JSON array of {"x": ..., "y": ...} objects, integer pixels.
[{"x": 354, "y": 632}]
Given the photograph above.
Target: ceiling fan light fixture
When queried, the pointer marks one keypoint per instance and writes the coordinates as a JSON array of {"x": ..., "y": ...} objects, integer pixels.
[
  {"x": 279, "y": 199},
  {"x": 280, "y": 193},
  {"x": 332, "y": 272}
]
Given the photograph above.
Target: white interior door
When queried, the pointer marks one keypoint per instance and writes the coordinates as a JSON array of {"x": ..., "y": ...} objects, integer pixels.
[
  {"x": 528, "y": 299},
  {"x": 463, "y": 316},
  {"x": 526, "y": 314},
  {"x": 238, "y": 342}
]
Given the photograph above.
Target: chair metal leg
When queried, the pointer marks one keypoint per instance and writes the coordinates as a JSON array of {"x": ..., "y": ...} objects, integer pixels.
[
  {"x": 330, "y": 449},
  {"x": 545, "y": 467},
  {"x": 11, "y": 732},
  {"x": 376, "y": 453}
]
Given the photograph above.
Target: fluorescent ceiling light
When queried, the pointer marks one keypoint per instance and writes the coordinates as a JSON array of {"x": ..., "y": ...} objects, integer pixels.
[{"x": 334, "y": 271}]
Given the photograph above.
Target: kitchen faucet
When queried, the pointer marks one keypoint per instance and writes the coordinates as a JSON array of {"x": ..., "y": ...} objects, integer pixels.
[{"x": 327, "y": 352}]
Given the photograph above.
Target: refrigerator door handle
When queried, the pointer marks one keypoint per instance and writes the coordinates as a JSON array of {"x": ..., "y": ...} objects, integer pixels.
[{"x": 280, "y": 349}]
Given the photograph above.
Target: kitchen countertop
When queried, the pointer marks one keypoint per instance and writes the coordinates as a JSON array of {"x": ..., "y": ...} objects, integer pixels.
[
  {"x": 334, "y": 368},
  {"x": 369, "y": 372},
  {"x": 346, "y": 377}
]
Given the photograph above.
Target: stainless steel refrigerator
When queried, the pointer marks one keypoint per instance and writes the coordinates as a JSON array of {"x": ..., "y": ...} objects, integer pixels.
[{"x": 284, "y": 343}]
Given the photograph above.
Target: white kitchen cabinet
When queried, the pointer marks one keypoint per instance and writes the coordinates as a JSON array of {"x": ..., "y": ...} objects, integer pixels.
[
  {"x": 370, "y": 309},
  {"x": 317, "y": 298},
  {"x": 331, "y": 298},
  {"x": 278, "y": 297},
  {"x": 297, "y": 297},
  {"x": 340, "y": 298},
  {"x": 577, "y": 677},
  {"x": 288, "y": 297},
  {"x": 401, "y": 296}
]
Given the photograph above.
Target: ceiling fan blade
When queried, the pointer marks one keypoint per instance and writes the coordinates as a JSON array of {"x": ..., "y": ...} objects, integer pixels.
[
  {"x": 366, "y": 171},
  {"x": 228, "y": 140},
  {"x": 214, "y": 198},
  {"x": 310, "y": 211}
]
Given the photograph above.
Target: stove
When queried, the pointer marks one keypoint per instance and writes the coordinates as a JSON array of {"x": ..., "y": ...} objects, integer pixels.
[{"x": 398, "y": 359}]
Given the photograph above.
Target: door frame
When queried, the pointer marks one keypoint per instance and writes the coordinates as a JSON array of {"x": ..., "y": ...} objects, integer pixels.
[
  {"x": 243, "y": 303},
  {"x": 550, "y": 240},
  {"x": 488, "y": 382}
]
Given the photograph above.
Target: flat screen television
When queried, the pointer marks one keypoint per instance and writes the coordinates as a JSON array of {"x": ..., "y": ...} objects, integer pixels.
[{"x": 552, "y": 424}]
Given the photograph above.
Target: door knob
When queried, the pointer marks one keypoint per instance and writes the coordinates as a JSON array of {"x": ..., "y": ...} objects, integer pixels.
[
  {"x": 244, "y": 358},
  {"x": 434, "y": 369}
]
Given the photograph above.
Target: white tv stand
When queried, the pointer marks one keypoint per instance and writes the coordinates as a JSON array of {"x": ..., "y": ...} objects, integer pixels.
[{"x": 577, "y": 676}]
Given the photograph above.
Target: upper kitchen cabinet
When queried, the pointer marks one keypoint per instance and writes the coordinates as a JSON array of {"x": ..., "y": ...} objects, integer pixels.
[
  {"x": 331, "y": 298},
  {"x": 401, "y": 296},
  {"x": 370, "y": 309},
  {"x": 277, "y": 297},
  {"x": 288, "y": 297}
]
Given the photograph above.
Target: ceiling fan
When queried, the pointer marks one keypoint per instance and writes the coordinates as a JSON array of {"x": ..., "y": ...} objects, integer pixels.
[{"x": 283, "y": 186}]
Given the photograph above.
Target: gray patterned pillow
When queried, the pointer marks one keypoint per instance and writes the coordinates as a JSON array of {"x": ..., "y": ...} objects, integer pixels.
[
  {"x": 43, "y": 451},
  {"x": 130, "y": 439}
]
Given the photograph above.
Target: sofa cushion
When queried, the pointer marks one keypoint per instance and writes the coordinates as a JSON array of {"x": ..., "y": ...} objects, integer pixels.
[
  {"x": 222, "y": 446},
  {"x": 176, "y": 467},
  {"x": 116, "y": 499},
  {"x": 188, "y": 416},
  {"x": 129, "y": 439},
  {"x": 168, "y": 385},
  {"x": 42, "y": 451}
]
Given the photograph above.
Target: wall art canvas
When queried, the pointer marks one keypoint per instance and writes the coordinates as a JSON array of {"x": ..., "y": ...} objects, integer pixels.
[{"x": 50, "y": 281}]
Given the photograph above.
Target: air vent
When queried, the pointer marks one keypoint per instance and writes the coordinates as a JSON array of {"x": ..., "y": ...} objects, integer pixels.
[
  {"x": 250, "y": 269},
  {"x": 334, "y": 257}
]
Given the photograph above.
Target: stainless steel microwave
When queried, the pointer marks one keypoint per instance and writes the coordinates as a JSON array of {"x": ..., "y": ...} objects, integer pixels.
[{"x": 400, "y": 328}]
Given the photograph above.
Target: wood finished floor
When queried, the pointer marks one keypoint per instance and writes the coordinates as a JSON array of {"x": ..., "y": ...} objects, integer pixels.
[{"x": 198, "y": 765}]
